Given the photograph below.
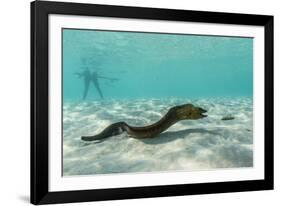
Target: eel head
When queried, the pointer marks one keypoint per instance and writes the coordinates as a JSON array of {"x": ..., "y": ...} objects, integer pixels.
[{"x": 189, "y": 111}]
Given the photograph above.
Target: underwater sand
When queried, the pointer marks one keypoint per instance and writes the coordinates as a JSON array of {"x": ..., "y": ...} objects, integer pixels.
[{"x": 189, "y": 145}]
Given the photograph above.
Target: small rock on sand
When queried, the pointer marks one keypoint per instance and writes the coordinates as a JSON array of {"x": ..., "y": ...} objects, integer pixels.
[{"x": 227, "y": 118}]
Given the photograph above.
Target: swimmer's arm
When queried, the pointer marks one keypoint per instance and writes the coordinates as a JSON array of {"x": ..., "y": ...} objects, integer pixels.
[{"x": 108, "y": 78}]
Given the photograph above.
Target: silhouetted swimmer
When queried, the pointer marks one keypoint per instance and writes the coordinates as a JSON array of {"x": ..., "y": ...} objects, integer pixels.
[{"x": 94, "y": 77}]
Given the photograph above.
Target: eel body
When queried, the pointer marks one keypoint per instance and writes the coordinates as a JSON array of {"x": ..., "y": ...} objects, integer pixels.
[{"x": 175, "y": 114}]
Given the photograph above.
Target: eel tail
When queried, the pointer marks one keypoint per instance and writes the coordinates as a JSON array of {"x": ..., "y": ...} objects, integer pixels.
[{"x": 112, "y": 130}]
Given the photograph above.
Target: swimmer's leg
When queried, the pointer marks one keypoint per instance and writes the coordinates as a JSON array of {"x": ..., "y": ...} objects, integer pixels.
[
  {"x": 86, "y": 88},
  {"x": 98, "y": 89}
]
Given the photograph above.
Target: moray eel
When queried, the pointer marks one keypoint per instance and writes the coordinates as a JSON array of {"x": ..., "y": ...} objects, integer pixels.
[{"x": 175, "y": 114}]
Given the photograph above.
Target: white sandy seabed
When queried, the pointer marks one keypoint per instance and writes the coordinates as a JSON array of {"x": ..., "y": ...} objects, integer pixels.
[{"x": 189, "y": 145}]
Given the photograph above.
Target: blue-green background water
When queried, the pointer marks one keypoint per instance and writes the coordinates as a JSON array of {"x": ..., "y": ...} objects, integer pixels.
[
  {"x": 153, "y": 65},
  {"x": 157, "y": 72}
]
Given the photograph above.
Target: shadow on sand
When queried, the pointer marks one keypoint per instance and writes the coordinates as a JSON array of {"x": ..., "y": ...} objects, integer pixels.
[
  {"x": 165, "y": 137},
  {"x": 172, "y": 136}
]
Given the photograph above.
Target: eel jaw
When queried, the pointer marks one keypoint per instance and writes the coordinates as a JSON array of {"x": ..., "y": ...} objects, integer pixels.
[
  {"x": 204, "y": 115},
  {"x": 202, "y": 111}
]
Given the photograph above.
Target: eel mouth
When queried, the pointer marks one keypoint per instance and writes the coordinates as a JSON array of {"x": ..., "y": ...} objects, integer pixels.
[{"x": 202, "y": 113}]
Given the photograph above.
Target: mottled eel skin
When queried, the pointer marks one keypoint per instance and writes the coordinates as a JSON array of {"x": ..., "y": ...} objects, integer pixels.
[{"x": 175, "y": 114}]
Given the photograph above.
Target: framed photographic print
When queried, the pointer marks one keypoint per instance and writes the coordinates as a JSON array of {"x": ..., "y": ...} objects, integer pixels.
[{"x": 130, "y": 102}]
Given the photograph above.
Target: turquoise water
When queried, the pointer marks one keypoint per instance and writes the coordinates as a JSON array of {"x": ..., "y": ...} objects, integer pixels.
[
  {"x": 148, "y": 74},
  {"x": 152, "y": 65}
]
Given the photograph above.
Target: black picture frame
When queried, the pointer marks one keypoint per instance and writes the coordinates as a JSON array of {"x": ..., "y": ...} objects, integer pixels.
[{"x": 40, "y": 102}]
